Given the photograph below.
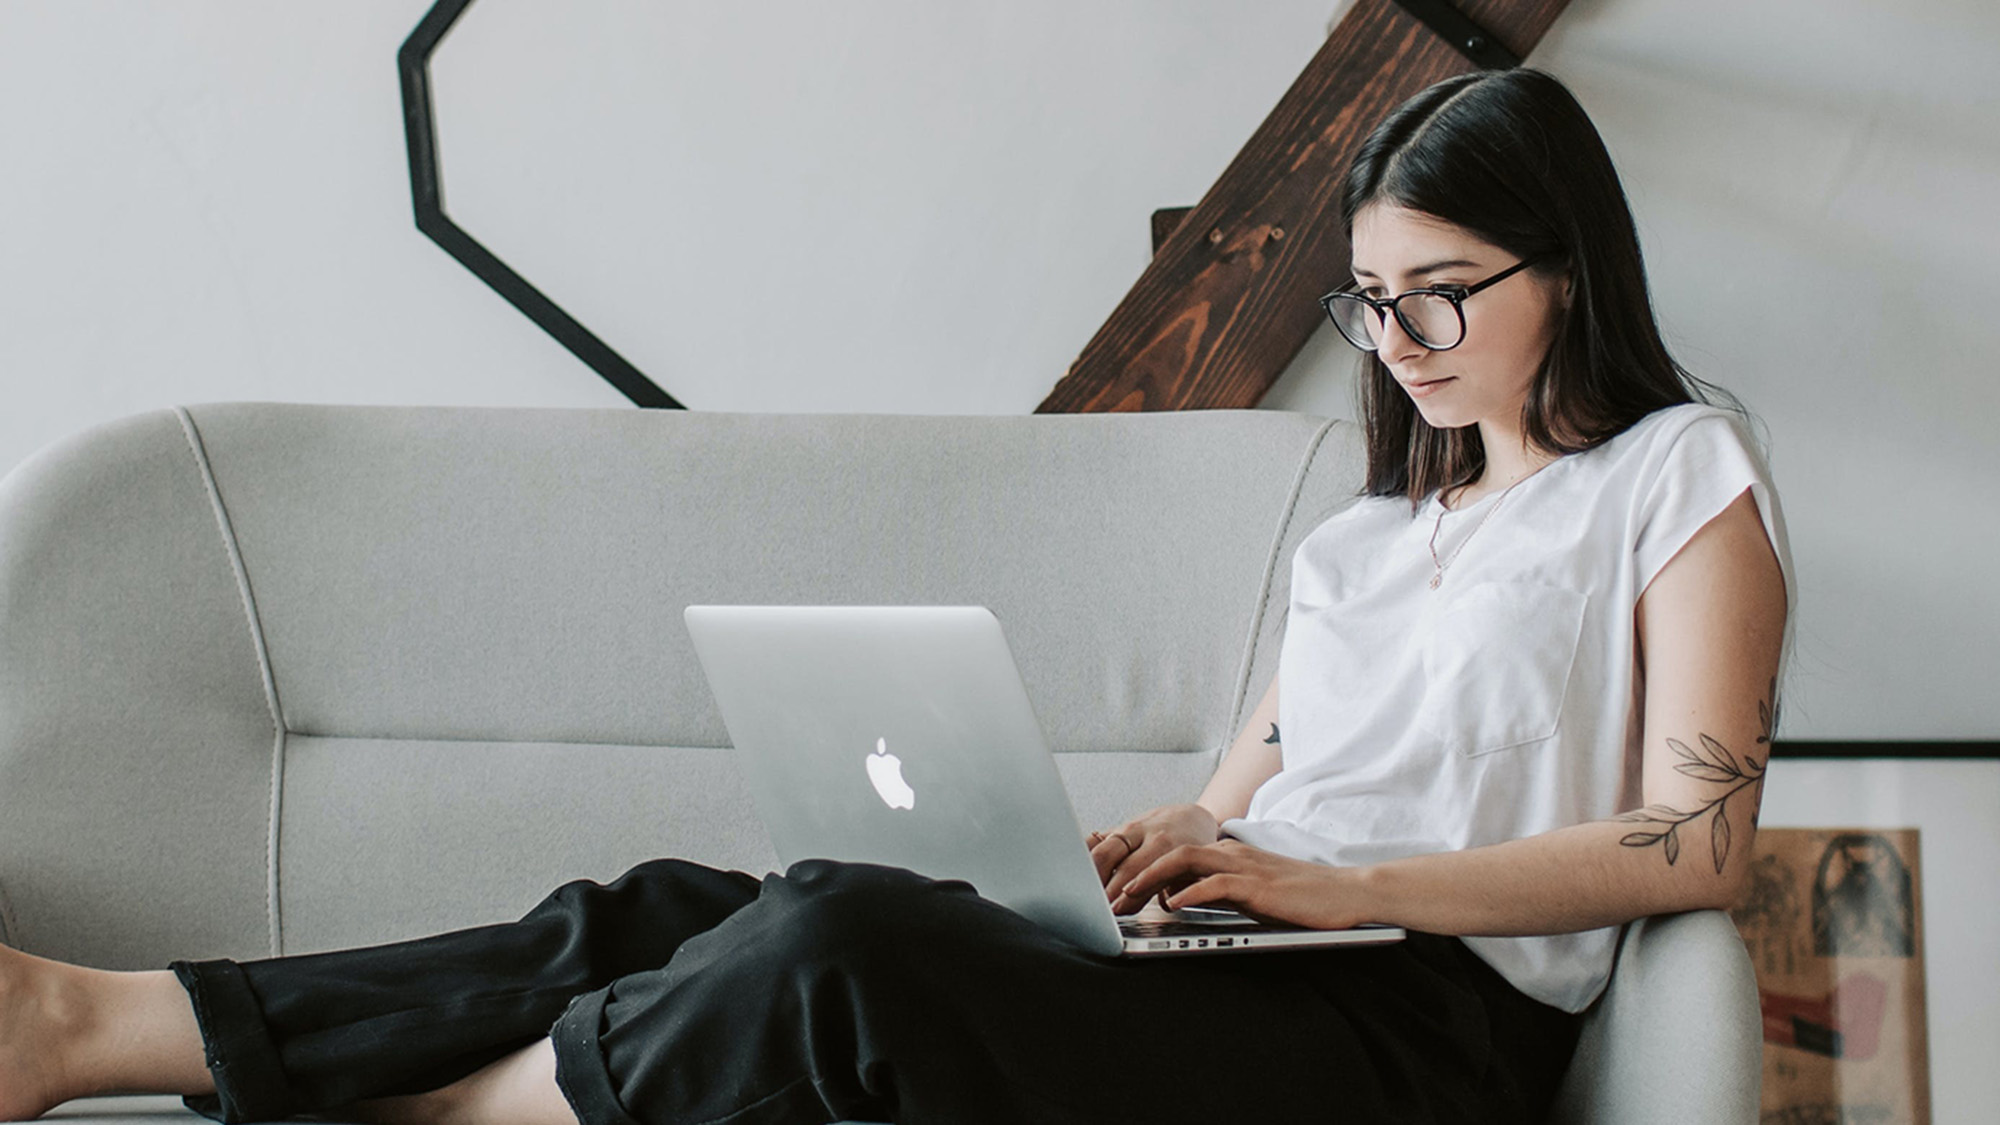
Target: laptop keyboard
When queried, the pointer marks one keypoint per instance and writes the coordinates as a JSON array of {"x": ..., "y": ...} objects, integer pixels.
[
  {"x": 1149, "y": 928},
  {"x": 1165, "y": 928}
]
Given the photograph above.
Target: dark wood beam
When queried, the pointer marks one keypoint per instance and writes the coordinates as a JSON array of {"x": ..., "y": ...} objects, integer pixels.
[
  {"x": 1228, "y": 300},
  {"x": 1164, "y": 222}
]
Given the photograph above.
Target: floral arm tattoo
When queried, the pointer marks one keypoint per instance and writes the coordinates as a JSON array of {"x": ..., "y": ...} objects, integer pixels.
[
  {"x": 1712, "y": 763},
  {"x": 1273, "y": 740}
]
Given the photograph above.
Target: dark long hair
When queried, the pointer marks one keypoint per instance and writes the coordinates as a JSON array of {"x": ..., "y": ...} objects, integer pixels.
[{"x": 1510, "y": 156}]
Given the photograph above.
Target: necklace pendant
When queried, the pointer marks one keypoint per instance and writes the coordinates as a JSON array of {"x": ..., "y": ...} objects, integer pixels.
[{"x": 1436, "y": 578}]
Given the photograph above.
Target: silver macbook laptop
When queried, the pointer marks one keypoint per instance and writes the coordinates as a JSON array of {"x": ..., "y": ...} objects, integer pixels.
[{"x": 903, "y": 736}]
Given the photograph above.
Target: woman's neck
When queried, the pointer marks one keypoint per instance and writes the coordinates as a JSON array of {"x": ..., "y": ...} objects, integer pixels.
[{"x": 1509, "y": 461}]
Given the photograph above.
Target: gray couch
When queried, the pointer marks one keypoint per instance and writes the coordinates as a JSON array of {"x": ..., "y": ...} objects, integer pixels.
[{"x": 286, "y": 678}]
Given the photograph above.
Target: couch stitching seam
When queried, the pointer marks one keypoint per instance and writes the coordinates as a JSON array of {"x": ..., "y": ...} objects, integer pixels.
[
  {"x": 10, "y": 929},
  {"x": 233, "y": 552},
  {"x": 1270, "y": 571}
]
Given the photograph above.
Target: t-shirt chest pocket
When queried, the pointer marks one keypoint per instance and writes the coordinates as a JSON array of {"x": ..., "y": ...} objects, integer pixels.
[{"x": 1497, "y": 663}]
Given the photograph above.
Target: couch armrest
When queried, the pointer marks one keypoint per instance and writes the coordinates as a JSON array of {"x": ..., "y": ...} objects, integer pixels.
[{"x": 1677, "y": 1035}]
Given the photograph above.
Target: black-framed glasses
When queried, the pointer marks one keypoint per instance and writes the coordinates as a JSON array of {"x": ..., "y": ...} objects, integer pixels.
[{"x": 1433, "y": 317}]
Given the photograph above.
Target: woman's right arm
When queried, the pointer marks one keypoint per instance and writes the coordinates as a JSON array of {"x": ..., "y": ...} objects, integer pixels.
[{"x": 1249, "y": 762}]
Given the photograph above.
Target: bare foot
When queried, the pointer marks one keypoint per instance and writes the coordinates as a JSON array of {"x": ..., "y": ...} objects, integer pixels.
[
  {"x": 71, "y": 1032},
  {"x": 38, "y": 1017}
]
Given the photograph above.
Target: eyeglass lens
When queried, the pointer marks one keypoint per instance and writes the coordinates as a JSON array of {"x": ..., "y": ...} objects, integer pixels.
[{"x": 1431, "y": 320}]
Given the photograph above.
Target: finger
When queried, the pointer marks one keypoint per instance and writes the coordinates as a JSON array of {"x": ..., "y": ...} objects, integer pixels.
[
  {"x": 1131, "y": 904},
  {"x": 1105, "y": 855},
  {"x": 1148, "y": 853},
  {"x": 1112, "y": 850},
  {"x": 1122, "y": 846},
  {"x": 1131, "y": 901},
  {"x": 1121, "y": 874},
  {"x": 1118, "y": 891},
  {"x": 1226, "y": 889},
  {"x": 1183, "y": 864}
]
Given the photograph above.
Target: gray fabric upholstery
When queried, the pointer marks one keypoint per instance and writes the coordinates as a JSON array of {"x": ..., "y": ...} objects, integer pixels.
[
  {"x": 136, "y": 742},
  {"x": 1677, "y": 1036},
  {"x": 282, "y": 678},
  {"x": 149, "y": 1110},
  {"x": 520, "y": 574}
]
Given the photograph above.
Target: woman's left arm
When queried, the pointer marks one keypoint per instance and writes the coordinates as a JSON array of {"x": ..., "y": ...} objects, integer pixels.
[{"x": 1710, "y": 628}]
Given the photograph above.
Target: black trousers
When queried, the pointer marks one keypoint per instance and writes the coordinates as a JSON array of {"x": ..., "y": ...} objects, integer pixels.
[{"x": 679, "y": 993}]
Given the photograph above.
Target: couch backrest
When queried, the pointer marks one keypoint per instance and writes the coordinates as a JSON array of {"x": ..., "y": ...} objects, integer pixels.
[{"x": 283, "y": 678}]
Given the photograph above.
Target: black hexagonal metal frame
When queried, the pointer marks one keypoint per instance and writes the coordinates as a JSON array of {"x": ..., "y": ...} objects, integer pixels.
[{"x": 427, "y": 192}]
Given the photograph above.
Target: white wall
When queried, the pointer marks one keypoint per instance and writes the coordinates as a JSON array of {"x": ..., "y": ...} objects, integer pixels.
[
  {"x": 907, "y": 206},
  {"x": 921, "y": 207}
]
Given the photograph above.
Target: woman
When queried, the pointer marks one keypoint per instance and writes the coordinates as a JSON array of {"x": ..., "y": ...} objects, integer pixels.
[{"x": 1526, "y": 683}]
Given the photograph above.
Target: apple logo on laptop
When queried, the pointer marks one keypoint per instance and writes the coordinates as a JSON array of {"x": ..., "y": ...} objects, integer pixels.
[{"x": 885, "y": 772}]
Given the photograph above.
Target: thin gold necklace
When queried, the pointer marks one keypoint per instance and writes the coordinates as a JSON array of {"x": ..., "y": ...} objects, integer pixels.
[{"x": 1439, "y": 576}]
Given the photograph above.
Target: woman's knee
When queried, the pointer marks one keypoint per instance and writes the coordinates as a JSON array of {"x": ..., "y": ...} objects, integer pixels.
[
  {"x": 655, "y": 887},
  {"x": 859, "y": 916},
  {"x": 844, "y": 902}
]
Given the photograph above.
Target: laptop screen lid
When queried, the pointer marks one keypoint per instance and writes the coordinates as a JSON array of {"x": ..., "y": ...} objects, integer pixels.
[{"x": 902, "y": 736}]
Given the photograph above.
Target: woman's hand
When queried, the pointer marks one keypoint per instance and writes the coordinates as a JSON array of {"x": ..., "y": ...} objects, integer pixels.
[
  {"x": 1128, "y": 849},
  {"x": 1261, "y": 884}
]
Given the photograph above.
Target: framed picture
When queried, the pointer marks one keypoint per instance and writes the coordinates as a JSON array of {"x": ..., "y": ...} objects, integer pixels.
[
  {"x": 1833, "y": 921},
  {"x": 1843, "y": 827}
]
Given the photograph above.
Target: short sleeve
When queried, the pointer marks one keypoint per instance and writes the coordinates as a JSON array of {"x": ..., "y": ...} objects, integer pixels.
[{"x": 1698, "y": 470}]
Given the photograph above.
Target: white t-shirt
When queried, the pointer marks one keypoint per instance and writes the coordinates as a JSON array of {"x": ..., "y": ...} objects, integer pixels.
[{"x": 1508, "y": 701}]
